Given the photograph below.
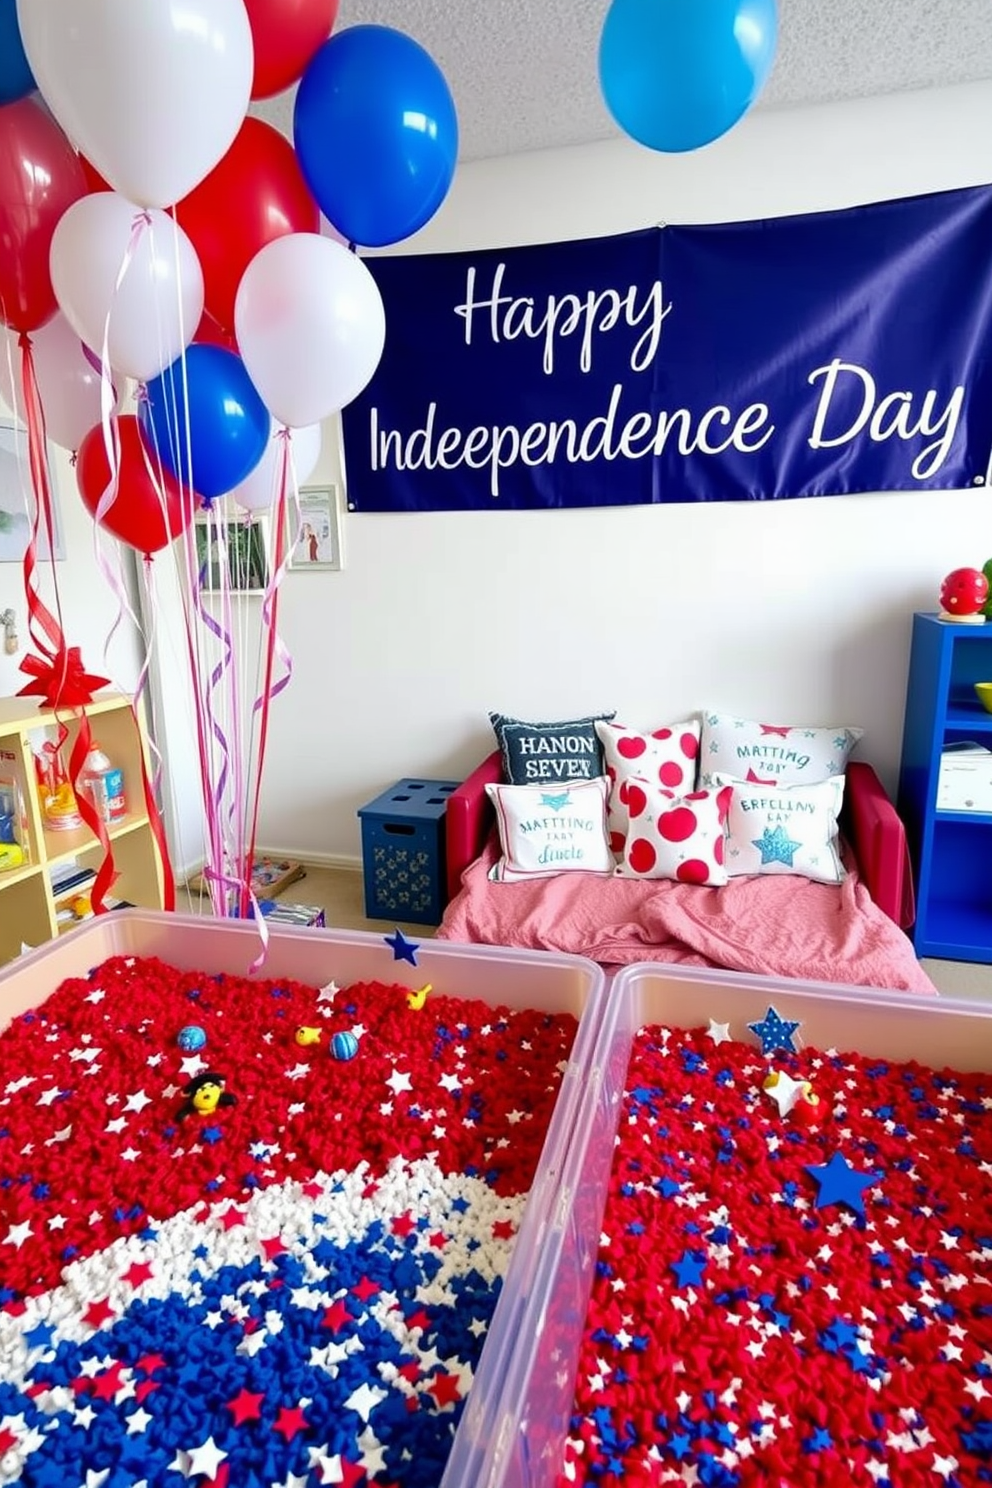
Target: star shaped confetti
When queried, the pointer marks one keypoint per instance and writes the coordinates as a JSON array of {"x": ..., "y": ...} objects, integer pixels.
[
  {"x": 776, "y": 846},
  {"x": 719, "y": 1032},
  {"x": 402, "y": 949},
  {"x": 839, "y": 1183},
  {"x": 783, "y": 1090},
  {"x": 775, "y": 1032}
]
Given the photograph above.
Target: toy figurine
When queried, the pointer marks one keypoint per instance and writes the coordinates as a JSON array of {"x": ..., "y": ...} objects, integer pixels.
[
  {"x": 204, "y": 1094},
  {"x": 963, "y": 595},
  {"x": 416, "y": 1000},
  {"x": 306, "y": 1036}
]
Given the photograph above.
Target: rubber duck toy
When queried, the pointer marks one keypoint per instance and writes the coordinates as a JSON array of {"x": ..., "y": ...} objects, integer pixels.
[
  {"x": 416, "y": 1000},
  {"x": 306, "y": 1036},
  {"x": 204, "y": 1094}
]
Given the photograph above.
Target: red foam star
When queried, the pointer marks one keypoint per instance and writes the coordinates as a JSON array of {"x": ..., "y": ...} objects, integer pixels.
[
  {"x": 7, "y": 1440},
  {"x": 403, "y": 1224},
  {"x": 336, "y": 1315},
  {"x": 365, "y": 1289},
  {"x": 313, "y": 1190},
  {"x": 410, "y": 1371},
  {"x": 106, "y": 1385},
  {"x": 246, "y": 1406},
  {"x": 419, "y": 1319},
  {"x": 98, "y": 1313},
  {"x": 439, "y": 1240},
  {"x": 273, "y": 1246},
  {"x": 136, "y": 1274},
  {"x": 144, "y": 1389},
  {"x": 232, "y": 1217},
  {"x": 150, "y": 1362},
  {"x": 503, "y": 1229},
  {"x": 446, "y": 1389},
  {"x": 352, "y": 1473},
  {"x": 289, "y": 1421}
]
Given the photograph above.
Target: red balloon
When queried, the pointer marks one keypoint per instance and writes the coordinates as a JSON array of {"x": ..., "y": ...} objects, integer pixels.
[
  {"x": 136, "y": 515},
  {"x": 286, "y": 34},
  {"x": 40, "y": 177},
  {"x": 209, "y": 333},
  {"x": 255, "y": 194},
  {"x": 94, "y": 180}
]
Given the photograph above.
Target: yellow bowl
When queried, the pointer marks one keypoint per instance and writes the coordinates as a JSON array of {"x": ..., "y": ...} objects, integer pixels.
[{"x": 984, "y": 693}]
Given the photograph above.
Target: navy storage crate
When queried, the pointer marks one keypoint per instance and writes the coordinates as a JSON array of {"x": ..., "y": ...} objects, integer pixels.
[{"x": 403, "y": 857}]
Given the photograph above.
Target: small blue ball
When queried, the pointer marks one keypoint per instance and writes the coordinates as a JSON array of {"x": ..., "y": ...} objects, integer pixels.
[
  {"x": 344, "y": 1046},
  {"x": 191, "y": 1038}
]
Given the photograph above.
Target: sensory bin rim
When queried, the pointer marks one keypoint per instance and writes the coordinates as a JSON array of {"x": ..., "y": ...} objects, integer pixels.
[
  {"x": 493, "y": 974},
  {"x": 528, "y": 1435}
]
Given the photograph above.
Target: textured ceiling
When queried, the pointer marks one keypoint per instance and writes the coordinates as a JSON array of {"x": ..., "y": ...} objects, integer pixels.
[{"x": 523, "y": 72}]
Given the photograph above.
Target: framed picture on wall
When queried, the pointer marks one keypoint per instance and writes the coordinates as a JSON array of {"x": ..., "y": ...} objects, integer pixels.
[
  {"x": 235, "y": 547},
  {"x": 17, "y": 499},
  {"x": 318, "y": 540}
]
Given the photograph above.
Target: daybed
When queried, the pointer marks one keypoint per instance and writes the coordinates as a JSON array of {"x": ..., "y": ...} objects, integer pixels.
[{"x": 787, "y": 926}]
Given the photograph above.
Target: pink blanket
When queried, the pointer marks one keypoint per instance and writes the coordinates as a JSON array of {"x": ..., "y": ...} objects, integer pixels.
[{"x": 770, "y": 925}]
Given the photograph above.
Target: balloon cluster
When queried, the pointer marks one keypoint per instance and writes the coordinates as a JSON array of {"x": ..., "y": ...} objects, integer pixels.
[
  {"x": 151, "y": 230},
  {"x": 677, "y": 74}
]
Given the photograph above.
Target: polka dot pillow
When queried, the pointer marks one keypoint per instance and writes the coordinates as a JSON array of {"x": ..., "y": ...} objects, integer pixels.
[
  {"x": 770, "y": 753},
  {"x": 675, "y": 836},
  {"x": 785, "y": 829},
  {"x": 666, "y": 757}
]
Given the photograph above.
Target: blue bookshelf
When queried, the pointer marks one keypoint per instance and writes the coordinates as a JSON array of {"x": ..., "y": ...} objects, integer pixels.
[{"x": 951, "y": 850}]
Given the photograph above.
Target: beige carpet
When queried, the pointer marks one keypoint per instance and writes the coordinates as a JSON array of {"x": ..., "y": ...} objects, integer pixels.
[{"x": 339, "y": 891}]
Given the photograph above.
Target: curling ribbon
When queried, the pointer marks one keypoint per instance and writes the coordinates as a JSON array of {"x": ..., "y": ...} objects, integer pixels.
[{"x": 270, "y": 609}]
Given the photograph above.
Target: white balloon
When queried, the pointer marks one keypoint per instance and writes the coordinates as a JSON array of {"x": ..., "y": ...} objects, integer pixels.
[
  {"x": 310, "y": 326},
  {"x": 68, "y": 382},
  {"x": 258, "y": 491},
  {"x": 155, "y": 313},
  {"x": 151, "y": 91}
]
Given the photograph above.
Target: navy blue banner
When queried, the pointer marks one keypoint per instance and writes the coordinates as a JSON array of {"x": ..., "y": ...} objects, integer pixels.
[{"x": 814, "y": 355}]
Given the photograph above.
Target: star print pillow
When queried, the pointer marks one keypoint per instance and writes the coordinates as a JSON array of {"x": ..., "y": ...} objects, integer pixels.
[
  {"x": 785, "y": 829},
  {"x": 545, "y": 830},
  {"x": 771, "y": 753},
  {"x": 665, "y": 757},
  {"x": 675, "y": 836}
]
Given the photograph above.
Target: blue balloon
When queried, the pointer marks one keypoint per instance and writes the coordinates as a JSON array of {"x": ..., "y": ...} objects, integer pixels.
[
  {"x": 376, "y": 134},
  {"x": 677, "y": 74},
  {"x": 228, "y": 426},
  {"x": 16, "y": 77}
]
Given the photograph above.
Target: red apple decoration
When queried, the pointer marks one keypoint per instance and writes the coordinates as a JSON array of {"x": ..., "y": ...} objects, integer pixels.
[
  {"x": 964, "y": 592},
  {"x": 808, "y": 1109}
]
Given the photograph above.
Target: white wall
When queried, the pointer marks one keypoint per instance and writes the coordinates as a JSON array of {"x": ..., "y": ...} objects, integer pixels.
[{"x": 798, "y": 611}]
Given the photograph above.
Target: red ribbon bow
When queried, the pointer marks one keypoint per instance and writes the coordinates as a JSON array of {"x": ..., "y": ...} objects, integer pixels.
[{"x": 61, "y": 682}]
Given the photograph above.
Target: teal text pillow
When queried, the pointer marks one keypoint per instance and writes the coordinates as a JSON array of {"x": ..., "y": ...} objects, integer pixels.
[{"x": 549, "y": 753}]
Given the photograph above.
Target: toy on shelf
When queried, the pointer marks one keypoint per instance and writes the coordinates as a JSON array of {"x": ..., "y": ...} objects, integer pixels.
[
  {"x": 58, "y": 800},
  {"x": 964, "y": 595}
]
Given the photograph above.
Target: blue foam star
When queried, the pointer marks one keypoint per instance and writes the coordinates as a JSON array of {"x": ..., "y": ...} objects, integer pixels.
[
  {"x": 689, "y": 1269},
  {"x": 776, "y": 846},
  {"x": 840, "y": 1183},
  {"x": 403, "y": 949},
  {"x": 775, "y": 1032}
]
